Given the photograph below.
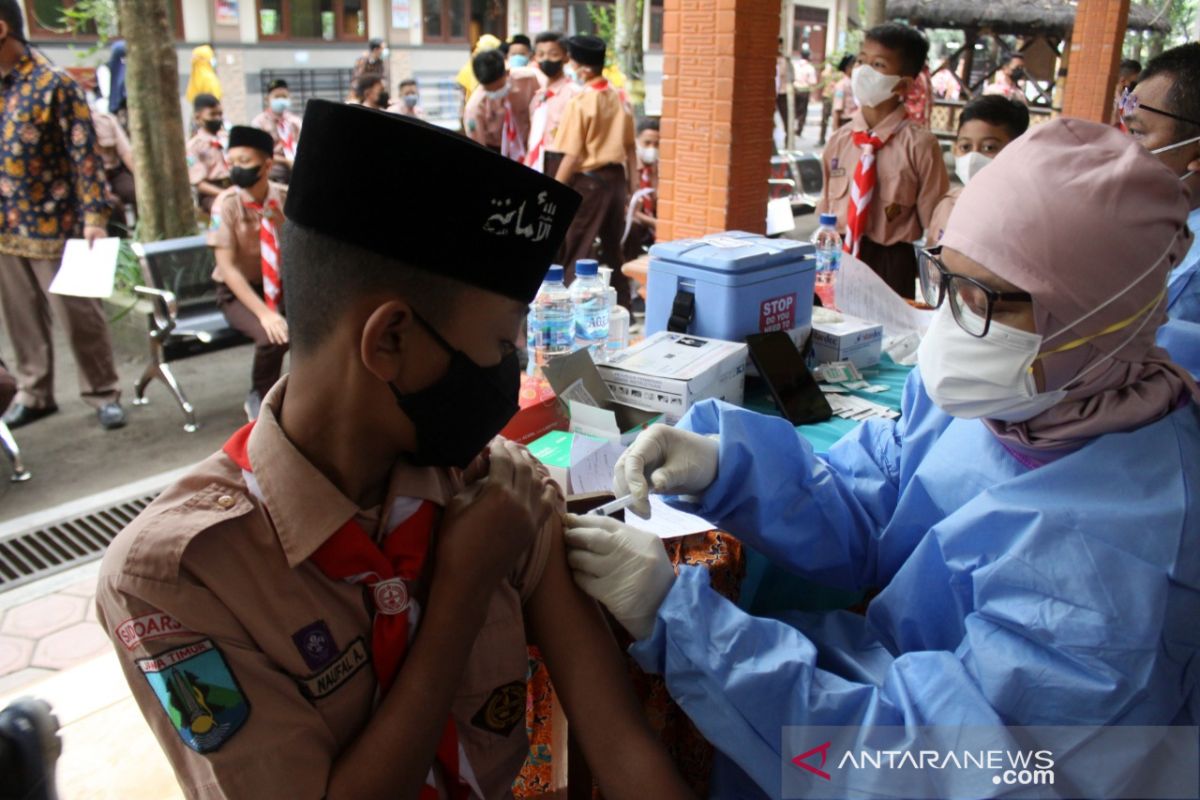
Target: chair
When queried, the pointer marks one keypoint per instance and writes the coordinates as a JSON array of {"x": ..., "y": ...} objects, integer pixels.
[
  {"x": 9, "y": 445},
  {"x": 185, "y": 321}
]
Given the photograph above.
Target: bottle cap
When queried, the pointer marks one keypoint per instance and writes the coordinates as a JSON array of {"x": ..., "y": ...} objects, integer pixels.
[
  {"x": 829, "y": 219},
  {"x": 587, "y": 267},
  {"x": 554, "y": 274}
]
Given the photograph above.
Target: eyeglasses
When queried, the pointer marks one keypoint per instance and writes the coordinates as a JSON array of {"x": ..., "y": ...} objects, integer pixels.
[
  {"x": 1129, "y": 103},
  {"x": 971, "y": 302}
]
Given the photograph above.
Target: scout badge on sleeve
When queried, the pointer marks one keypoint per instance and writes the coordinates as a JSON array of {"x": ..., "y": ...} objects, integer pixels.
[{"x": 198, "y": 693}]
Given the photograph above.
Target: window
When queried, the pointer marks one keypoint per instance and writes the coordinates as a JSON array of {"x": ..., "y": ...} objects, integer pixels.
[
  {"x": 656, "y": 24},
  {"x": 327, "y": 20},
  {"x": 44, "y": 18},
  {"x": 445, "y": 20},
  {"x": 577, "y": 17}
]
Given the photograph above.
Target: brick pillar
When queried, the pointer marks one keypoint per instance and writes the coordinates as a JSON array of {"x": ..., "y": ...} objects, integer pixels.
[
  {"x": 718, "y": 99},
  {"x": 1095, "y": 53}
]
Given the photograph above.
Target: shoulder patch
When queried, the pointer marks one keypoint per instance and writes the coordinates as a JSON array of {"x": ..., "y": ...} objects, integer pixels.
[
  {"x": 504, "y": 708},
  {"x": 198, "y": 693},
  {"x": 155, "y": 625}
]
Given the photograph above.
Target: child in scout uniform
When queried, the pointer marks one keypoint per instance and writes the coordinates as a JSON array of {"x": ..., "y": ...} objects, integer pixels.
[
  {"x": 599, "y": 161},
  {"x": 339, "y": 602},
  {"x": 986, "y": 126},
  {"x": 883, "y": 174},
  {"x": 278, "y": 120},
  {"x": 546, "y": 109},
  {"x": 497, "y": 112},
  {"x": 207, "y": 169},
  {"x": 244, "y": 234}
]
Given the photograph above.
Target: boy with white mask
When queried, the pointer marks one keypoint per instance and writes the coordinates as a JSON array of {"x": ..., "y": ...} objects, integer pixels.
[
  {"x": 883, "y": 174},
  {"x": 985, "y": 127}
]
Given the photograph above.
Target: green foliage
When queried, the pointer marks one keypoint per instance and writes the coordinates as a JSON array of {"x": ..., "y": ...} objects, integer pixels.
[
  {"x": 91, "y": 17},
  {"x": 604, "y": 19}
]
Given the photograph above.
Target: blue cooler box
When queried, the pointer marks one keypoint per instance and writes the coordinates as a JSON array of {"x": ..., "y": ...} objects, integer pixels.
[{"x": 730, "y": 285}]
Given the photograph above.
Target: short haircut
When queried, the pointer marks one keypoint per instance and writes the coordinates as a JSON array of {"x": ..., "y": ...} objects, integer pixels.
[
  {"x": 1019, "y": 56},
  {"x": 503, "y": 48},
  {"x": 847, "y": 62},
  {"x": 647, "y": 124},
  {"x": 364, "y": 83},
  {"x": 1182, "y": 65},
  {"x": 998, "y": 110},
  {"x": 374, "y": 43},
  {"x": 203, "y": 101},
  {"x": 1130, "y": 67},
  {"x": 488, "y": 66},
  {"x": 906, "y": 42},
  {"x": 10, "y": 12},
  {"x": 549, "y": 36},
  {"x": 520, "y": 38},
  {"x": 278, "y": 83},
  {"x": 325, "y": 276},
  {"x": 408, "y": 82}
]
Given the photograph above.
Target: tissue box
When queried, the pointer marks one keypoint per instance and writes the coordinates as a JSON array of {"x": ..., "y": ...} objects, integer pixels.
[
  {"x": 671, "y": 372},
  {"x": 540, "y": 412},
  {"x": 852, "y": 339}
]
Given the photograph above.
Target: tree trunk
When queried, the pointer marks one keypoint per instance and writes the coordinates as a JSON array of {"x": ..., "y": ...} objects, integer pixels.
[
  {"x": 876, "y": 13},
  {"x": 629, "y": 47},
  {"x": 165, "y": 208},
  {"x": 1157, "y": 41}
]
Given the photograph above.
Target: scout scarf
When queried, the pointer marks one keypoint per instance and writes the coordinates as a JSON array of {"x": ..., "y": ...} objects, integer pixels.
[
  {"x": 350, "y": 555},
  {"x": 536, "y": 157},
  {"x": 269, "y": 246},
  {"x": 862, "y": 190},
  {"x": 511, "y": 145},
  {"x": 286, "y": 139}
]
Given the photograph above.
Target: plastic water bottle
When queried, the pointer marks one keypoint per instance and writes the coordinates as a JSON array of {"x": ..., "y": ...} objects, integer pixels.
[
  {"x": 618, "y": 316},
  {"x": 551, "y": 320},
  {"x": 828, "y": 243},
  {"x": 589, "y": 300}
]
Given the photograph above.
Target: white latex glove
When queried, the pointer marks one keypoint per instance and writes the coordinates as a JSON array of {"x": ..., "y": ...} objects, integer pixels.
[
  {"x": 624, "y": 568},
  {"x": 668, "y": 461}
]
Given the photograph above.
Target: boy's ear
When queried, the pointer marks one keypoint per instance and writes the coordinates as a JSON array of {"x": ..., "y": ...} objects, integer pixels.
[
  {"x": 903, "y": 86},
  {"x": 386, "y": 337}
]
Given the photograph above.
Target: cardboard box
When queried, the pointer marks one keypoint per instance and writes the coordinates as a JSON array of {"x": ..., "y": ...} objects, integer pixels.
[
  {"x": 852, "y": 339},
  {"x": 579, "y": 464},
  {"x": 540, "y": 412},
  {"x": 554, "y": 450},
  {"x": 671, "y": 372},
  {"x": 593, "y": 409}
]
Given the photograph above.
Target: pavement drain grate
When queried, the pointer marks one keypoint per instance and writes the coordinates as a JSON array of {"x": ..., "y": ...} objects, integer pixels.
[{"x": 27, "y": 556}]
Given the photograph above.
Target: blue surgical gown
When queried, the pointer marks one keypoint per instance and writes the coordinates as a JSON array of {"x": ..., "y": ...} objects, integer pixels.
[
  {"x": 1183, "y": 282},
  {"x": 1065, "y": 594}
]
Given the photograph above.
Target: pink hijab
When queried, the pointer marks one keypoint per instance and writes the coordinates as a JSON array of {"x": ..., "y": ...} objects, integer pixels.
[{"x": 1088, "y": 214}]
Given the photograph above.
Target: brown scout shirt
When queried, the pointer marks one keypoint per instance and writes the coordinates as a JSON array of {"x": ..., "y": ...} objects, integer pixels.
[
  {"x": 111, "y": 142},
  {"x": 596, "y": 127},
  {"x": 206, "y": 158},
  {"x": 941, "y": 215},
  {"x": 253, "y": 668},
  {"x": 910, "y": 178},
  {"x": 267, "y": 121},
  {"x": 238, "y": 228},
  {"x": 484, "y": 117}
]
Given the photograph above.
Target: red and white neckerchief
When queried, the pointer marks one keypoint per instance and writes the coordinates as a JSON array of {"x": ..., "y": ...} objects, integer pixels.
[
  {"x": 646, "y": 181},
  {"x": 862, "y": 190},
  {"x": 268, "y": 240},
  {"x": 351, "y": 555},
  {"x": 286, "y": 139},
  {"x": 511, "y": 145},
  {"x": 536, "y": 157}
]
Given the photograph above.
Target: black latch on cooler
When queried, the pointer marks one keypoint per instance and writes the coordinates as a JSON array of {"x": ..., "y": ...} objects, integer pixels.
[{"x": 683, "y": 311}]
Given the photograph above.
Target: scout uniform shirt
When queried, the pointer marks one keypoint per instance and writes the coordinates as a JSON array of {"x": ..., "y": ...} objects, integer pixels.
[
  {"x": 596, "y": 127},
  {"x": 910, "y": 178},
  {"x": 484, "y": 117},
  {"x": 289, "y": 123},
  {"x": 206, "y": 159},
  {"x": 941, "y": 215},
  {"x": 236, "y": 227},
  {"x": 251, "y": 666},
  {"x": 554, "y": 96},
  {"x": 111, "y": 142}
]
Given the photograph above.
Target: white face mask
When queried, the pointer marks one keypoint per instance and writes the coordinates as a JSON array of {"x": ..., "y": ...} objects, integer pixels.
[
  {"x": 966, "y": 167},
  {"x": 988, "y": 378},
  {"x": 1158, "y": 150},
  {"x": 992, "y": 377},
  {"x": 648, "y": 155},
  {"x": 499, "y": 94},
  {"x": 872, "y": 87}
]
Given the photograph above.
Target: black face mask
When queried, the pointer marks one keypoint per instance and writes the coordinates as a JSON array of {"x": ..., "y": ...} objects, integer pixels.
[
  {"x": 459, "y": 414},
  {"x": 1018, "y": 74},
  {"x": 245, "y": 177},
  {"x": 382, "y": 102},
  {"x": 551, "y": 69},
  {"x": 214, "y": 125}
]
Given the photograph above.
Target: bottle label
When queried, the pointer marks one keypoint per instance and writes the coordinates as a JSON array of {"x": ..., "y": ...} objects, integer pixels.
[
  {"x": 828, "y": 259},
  {"x": 777, "y": 314}
]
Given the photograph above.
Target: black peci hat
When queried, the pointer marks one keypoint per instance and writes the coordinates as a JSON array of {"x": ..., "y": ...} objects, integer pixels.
[
  {"x": 431, "y": 198},
  {"x": 245, "y": 136},
  {"x": 587, "y": 50}
]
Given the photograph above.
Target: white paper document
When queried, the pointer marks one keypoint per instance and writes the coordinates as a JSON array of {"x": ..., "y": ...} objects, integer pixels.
[
  {"x": 666, "y": 522},
  {"x": 87, "y": 272},
  {"x": 863, "y": 294},
  {"x": 592, "y": 464}
]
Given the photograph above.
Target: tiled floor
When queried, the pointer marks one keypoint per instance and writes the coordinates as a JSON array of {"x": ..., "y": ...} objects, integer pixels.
[{"x": 50, "y": 633}]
